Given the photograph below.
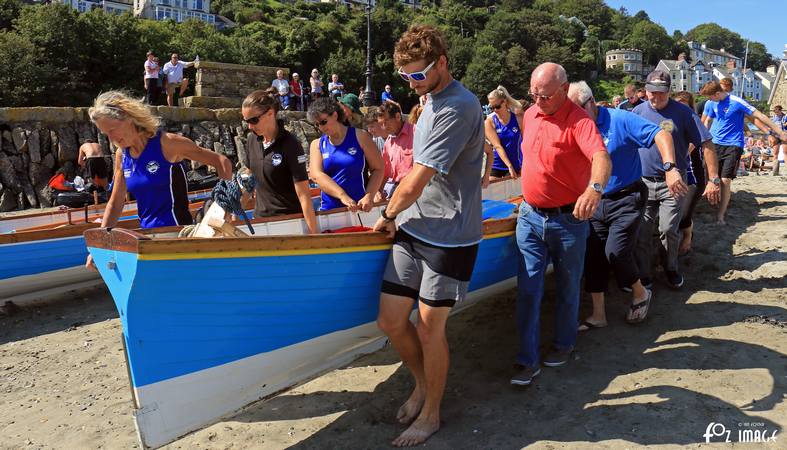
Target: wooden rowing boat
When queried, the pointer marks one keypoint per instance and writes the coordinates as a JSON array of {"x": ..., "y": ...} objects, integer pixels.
[{"x": 211, "y": 325}]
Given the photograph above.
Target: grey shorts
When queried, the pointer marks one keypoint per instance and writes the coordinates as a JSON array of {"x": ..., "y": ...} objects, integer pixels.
[{"x": 410, "y": 271}]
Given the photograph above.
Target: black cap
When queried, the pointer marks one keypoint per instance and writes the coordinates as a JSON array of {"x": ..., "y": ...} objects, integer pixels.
[{"x": 658, "y": 81}]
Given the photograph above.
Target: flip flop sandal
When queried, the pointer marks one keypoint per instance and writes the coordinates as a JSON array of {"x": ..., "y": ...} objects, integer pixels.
[
  {"x": 638, "y": 306},
  {"x": 585, "y": 326}
]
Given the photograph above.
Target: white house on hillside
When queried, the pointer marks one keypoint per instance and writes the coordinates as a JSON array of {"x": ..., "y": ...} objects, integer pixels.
[
  {"x": 712, "y": 57},
  {"x": 177, "y": 10},
  {"x": 767, "y": 81},
  {"x": 706, "y": 64},
  {"x": 110, "y": 6},
  {"x": 627, "y": 60}
]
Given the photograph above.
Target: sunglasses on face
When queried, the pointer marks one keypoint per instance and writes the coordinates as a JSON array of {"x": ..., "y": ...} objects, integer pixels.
[
  {"x": 496, "y": 107},
  {"x": 256, "y": 119},
  {"x": 545, "y": 98},
  {"x": 416, "y": 76},
  {"x": 323, "y": 122}
]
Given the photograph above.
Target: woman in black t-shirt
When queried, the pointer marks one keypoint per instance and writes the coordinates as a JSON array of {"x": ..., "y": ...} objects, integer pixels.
[{"x": 277, "y": 161}]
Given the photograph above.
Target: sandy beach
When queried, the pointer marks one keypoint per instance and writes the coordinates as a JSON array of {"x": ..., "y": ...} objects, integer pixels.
[{"x": 715, "y": 351}]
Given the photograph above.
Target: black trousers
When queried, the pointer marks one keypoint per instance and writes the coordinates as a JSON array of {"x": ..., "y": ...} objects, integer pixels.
[{"x": 613, "y": 238}]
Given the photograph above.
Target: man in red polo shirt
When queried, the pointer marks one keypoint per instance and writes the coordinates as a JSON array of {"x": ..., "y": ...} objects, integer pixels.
[
  {"x": 565, "y": 168},
  {"x": 398, "y": 149}
]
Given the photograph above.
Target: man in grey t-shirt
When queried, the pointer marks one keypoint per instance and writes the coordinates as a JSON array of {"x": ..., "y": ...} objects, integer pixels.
[{"x": 439, "y": 209}]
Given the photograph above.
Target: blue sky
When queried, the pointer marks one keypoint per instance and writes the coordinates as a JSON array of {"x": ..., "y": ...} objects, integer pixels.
[{"x": 763, "y": 21}]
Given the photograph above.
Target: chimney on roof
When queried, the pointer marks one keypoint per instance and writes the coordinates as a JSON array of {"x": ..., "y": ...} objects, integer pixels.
[
  {"x": 703, "y": 46},
  {"x": 784, "y": 55},
  {"x": 721, "y": 50},
  {"x": 682, "y": 57},
  {"x": 771, "y": 69},
  {"x": 731, "y": 64}
]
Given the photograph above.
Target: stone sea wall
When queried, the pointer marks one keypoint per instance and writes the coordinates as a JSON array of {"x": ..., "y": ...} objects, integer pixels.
[{"x": 36, "y": 142}]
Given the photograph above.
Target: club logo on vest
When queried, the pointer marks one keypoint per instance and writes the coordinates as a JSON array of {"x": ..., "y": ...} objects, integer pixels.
[
  {"x": 152, "y": 167},
  {"x": 515, "y": 130},
  {"x": 667, "y": 125},
  {"x": 276, "y": 159},
  {"x": 127, "y": 173},
  {"x": 352, "y": 151}
]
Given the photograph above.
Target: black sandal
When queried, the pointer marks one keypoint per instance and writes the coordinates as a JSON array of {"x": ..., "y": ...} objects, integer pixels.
[{"x": 636, "y": 307}]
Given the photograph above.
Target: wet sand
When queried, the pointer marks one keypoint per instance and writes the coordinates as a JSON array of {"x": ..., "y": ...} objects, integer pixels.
[{"x": 714, "y": 351}]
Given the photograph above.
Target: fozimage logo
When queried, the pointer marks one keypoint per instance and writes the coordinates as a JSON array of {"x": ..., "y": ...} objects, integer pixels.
[{"x": 747, "y": 432}]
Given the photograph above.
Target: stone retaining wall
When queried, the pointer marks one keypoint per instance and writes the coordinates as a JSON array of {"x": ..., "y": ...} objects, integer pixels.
[
  {"x": 215, "y": 79},
  {"x": 36, "y": 142}
]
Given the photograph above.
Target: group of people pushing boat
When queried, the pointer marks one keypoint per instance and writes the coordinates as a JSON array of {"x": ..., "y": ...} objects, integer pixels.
[{"x": 571, "y": 158}]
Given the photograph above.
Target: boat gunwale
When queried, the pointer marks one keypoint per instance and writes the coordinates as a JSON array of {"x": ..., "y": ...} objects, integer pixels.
[
  {"x": 133, "y": 241},
  {"x": 75, "y": 230},
  {"x": 80, "y": 210}
]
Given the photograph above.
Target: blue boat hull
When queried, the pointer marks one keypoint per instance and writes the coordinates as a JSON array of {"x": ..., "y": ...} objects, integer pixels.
[{"x": 211, "y": 333}]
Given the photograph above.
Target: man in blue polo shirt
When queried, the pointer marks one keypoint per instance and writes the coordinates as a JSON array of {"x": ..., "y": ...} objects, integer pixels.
[
  {"x": 615, "y": 224},
  {"x": 664, "y": 204},
  {"x": 727, "y": 113}
]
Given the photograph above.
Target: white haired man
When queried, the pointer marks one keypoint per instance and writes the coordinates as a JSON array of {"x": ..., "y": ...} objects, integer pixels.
[{"x": 615, "y": 224}]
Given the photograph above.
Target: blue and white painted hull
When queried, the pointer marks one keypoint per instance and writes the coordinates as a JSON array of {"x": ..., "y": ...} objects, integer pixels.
[{"x": 211, "y": 325}]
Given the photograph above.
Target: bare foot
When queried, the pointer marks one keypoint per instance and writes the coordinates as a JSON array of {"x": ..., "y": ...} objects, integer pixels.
[
  {"x": 411, "y": 408},
  {"x": 721, "y": 222},
  {"x": 418, "y": 433}
]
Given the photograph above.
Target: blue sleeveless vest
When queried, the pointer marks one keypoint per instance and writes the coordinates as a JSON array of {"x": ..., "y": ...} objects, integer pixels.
[
  {"x": 159, "y": 186},
  {"x": 345, "y": 163},
  {"x": 510, "y": 135}
]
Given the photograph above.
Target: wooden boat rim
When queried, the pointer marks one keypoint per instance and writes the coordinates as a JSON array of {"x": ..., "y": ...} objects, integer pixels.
[
  {"x": 79, "y": 211},
  {"x": 133, "y": 241}
]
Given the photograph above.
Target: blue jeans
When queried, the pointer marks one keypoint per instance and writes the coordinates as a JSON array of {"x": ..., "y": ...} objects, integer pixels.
[{"x": 560, "y": 238}]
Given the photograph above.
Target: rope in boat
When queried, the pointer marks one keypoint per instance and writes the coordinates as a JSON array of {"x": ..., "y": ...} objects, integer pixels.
[{"x": 227, "y": 193}]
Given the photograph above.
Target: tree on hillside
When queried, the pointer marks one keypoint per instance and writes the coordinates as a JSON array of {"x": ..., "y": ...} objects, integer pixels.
[
  {"x": 759, "y": 58},
  {"x": 58, "y": 34},
  {"x": 9, "y": 10},
  {"x": 20, "y": 82},
  {"x": 486, "y": 71},
  {"x": 717, "y": 37},
  {"x": 652, "y": 39}
]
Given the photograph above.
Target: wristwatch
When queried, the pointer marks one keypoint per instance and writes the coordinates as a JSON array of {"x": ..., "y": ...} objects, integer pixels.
[
  {"x": 598, "y": 188},
  {"x": 667, "y": 166},
  {"x": 385, "y": 217},
  {"x": 716, "y": 181}
]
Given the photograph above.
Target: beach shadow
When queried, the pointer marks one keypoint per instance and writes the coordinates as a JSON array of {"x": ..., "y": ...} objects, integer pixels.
[
  {"x": 623, "y": 383},
  {"x": 64, "y": 312}
]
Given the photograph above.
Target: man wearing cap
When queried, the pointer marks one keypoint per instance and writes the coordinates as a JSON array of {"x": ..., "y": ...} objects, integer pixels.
[
  {"x": 727, "y": 113},
  {"x": 615, "y": 224},
  {"x": 565, "y": 168},
  {"x": 351, "y": 105},
  {"x": 664, "y": 205}
]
